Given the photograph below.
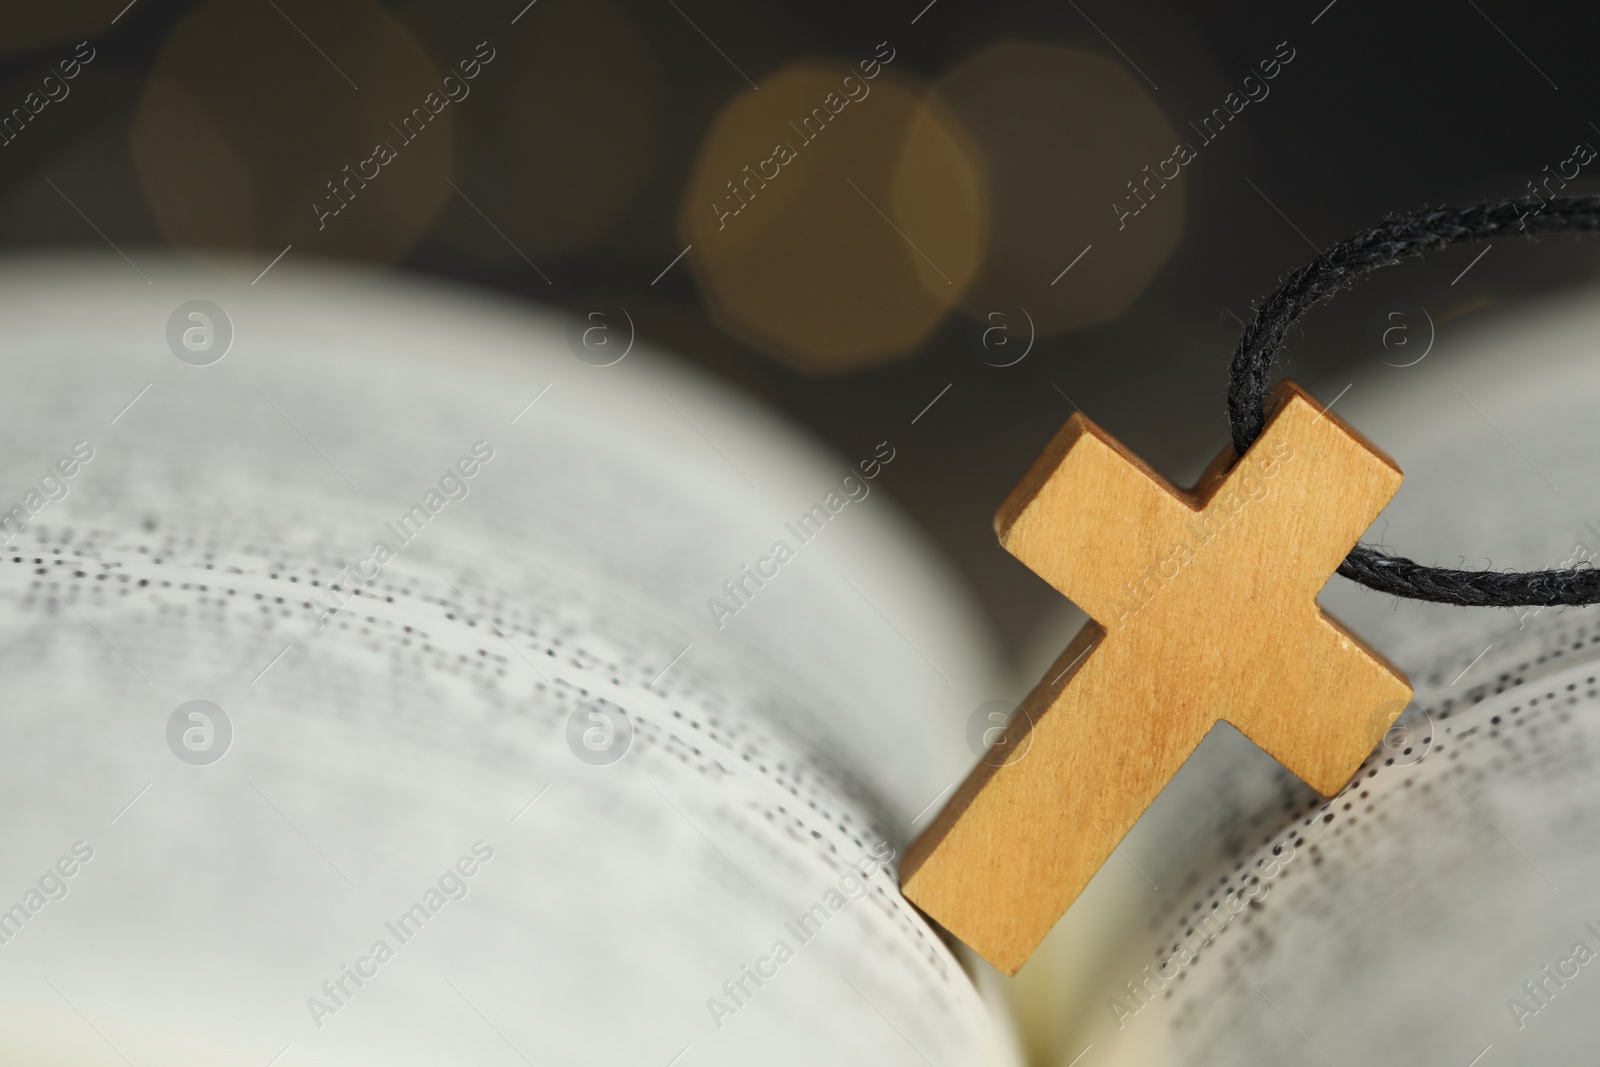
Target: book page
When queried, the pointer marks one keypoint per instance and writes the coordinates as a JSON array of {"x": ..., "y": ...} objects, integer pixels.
[
  {"x": 367, "y": 701},
  {"x": 1445, "y": 907}
]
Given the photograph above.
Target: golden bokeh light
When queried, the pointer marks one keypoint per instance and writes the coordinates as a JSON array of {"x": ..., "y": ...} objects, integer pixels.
[
  {"x": 937, "y": 190},
  {"x": 834, "y": 218},
  {"x": 250, "y": 135},
  {"x": 1068, "y": 140}
]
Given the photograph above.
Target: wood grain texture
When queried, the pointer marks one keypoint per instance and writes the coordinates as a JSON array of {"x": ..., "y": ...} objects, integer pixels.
[{"x": 1203, "y": 609}]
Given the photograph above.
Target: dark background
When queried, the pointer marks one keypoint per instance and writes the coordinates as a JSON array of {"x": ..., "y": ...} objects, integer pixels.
[{"x": 1385, "y": 108}]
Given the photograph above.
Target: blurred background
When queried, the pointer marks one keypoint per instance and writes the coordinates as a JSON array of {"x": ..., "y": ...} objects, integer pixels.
[{"x": 944, "y": 225}]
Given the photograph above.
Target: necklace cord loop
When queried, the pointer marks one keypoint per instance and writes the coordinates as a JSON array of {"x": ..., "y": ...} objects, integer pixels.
[{"x": 1393, "y": 241}]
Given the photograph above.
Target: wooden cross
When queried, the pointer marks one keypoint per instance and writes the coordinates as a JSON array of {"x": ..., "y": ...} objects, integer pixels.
[{"x": 1202, "y": 609}]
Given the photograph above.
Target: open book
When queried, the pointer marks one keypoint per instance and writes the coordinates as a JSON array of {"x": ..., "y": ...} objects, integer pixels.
[
  {"x": 385, "y": 684},
  {"x": 401, "y": 687}
]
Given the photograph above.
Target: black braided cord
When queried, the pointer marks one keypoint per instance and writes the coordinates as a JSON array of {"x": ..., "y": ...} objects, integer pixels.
[{"x": 1397, "y": 239}]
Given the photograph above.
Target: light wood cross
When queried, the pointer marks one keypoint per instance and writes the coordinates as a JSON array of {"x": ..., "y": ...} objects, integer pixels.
[{"x": 1203, "y": 610}]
